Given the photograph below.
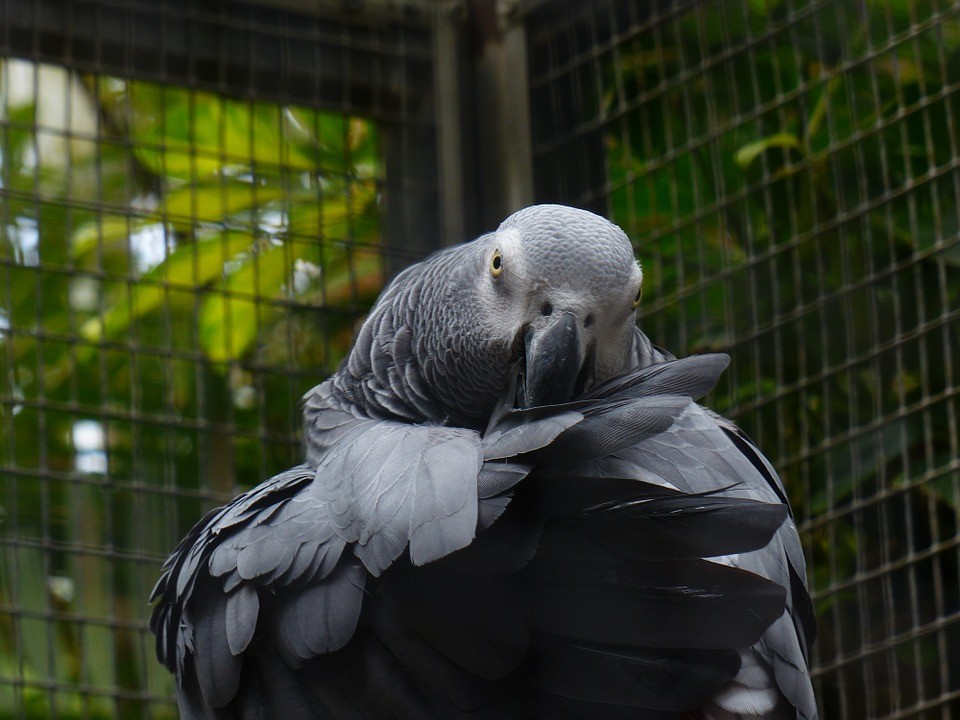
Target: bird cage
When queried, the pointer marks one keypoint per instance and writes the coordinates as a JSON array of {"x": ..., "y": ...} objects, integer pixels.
[{"x": 201, "y": 200}]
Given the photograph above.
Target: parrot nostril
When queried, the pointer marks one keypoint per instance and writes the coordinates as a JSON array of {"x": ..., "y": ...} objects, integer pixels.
[
  {"x": 546, "y": 309},
  {"x": 588, "y": 320}
]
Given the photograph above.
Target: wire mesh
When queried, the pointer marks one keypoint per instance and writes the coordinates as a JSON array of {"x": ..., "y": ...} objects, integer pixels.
[
  {"x": 789, "y": 171},
  {"x": 184, "y": 251},
  {"x": 199, "y": 203}
]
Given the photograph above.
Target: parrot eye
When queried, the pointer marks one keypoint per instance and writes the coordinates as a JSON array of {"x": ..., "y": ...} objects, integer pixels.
[
  {"x": 496, "y": 264},
  {"x": 636, "y": 299}
]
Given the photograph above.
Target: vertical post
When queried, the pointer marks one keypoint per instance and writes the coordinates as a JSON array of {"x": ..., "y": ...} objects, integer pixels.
[
  {"x": 452, "y": 139},
  {"x": 573, "y": 170},
  {"x": 453, "y": 179},
  {"x": 411, "y": 227},
  {"x": 505, "y": 160},
  {"x": 514, "y": 119}
]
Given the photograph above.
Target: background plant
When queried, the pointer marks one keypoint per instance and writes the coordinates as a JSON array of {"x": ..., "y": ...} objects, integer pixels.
[
  {"x": 796, "y": 205},
  {"x": 178, "y": 268}
]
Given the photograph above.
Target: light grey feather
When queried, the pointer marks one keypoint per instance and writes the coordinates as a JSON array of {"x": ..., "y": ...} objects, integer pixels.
[
  {"x": 497, "y": 477},
  {"x": 390, "y": 485},
  {"x": 528, "y": 436},
  {"x": 445, "y": 503}
]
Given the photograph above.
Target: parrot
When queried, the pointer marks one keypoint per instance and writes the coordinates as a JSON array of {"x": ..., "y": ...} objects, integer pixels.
[{"x": 510, "y": 505}]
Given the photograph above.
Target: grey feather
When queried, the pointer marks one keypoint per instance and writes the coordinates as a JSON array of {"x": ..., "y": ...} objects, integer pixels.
[
  {"x": 218, "y": 669},
  {"x": 521, "y": 437},
  {"x": 415, "y": 566},
  {"x": 692, "y": 376},
  {"x": 490, "y": 510},
  {"x": 496, "y": 477},
  {"x": 240, "y": 617},
  {"x": 619, "y": 425},
  {"x": 445, "y": 504},
  {"x": 391, "y": 485},
  {"x": 790, "y": 667},
  {"x": 259, "y": 557},
  {"x": 697, "y": 454},
  {"x": 321, "y": 617}
]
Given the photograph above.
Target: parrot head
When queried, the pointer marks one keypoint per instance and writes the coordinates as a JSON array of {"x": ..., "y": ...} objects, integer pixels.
[
  {"x": 553, "y": 291},
  {"x": 561, "y": 286}
]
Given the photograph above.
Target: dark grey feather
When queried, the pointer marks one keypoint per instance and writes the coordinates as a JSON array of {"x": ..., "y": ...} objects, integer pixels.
[
  {"x": 218, "y": 669},
  {"x": 693, "y": 376},
  {"x": 637, "y": 677},
  {"x": 474, "y": 622},
  {"x": 420, "y": 660},
  {"x": 696, "y": 603},
  {"x": 650, "y": 522},
  {"x": 616, "y": 425},
  {"x": 321, "y": 617},
  {"x": 698, "y": 453},
  {"x": 243, "y": 606}
]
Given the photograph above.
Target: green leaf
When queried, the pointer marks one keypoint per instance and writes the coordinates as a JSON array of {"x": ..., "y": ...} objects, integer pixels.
[
  {"x": 230, "y": 317},
  {"x": 101, "y": 232},
  {"x": 339, "y": 218},
  {"x": 820, "y": 109},
  {"x": 749, "y": 152},
  {"x": 356, "y": 275},
  {"x": 190, "y": 266},
  {"x": 215, "y": 202},
  {"x": 191, "y": 135},
  {"x": 340, "y": 145},
  {"x": 764, "y": 7}
]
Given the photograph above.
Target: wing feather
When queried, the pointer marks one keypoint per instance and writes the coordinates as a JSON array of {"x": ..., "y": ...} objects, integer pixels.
[
  {"x": 391, "y": 485},
  {"x": 243, "y": 606},
  {"x": 610, "y": 557},
  {"x": 637, "y": 677}
]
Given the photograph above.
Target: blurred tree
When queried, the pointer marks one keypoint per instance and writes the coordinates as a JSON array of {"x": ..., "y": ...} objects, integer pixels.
[
  {"x": 796, "y": 205},
  {"x": 177, "y": 269}
]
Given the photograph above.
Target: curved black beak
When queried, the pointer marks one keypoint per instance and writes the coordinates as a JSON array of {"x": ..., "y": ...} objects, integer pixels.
[{"x": 554, "y": 361}]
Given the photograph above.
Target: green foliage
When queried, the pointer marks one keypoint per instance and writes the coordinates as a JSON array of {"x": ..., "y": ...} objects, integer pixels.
[
  {"x": 179, "y": 272},
  {"x": 795, "y": 205}
]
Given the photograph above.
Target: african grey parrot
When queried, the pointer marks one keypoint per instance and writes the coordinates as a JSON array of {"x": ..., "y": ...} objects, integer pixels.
[{"x": 511, "y": 506}]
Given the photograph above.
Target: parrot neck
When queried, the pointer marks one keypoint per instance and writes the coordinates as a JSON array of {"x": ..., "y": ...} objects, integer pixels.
[{"x": 421, "y": 356}]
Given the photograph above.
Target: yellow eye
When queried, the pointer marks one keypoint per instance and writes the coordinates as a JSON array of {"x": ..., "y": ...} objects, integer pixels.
[
  {"x": 496, "y": 264},
  {"x": 636, "y": 299}
]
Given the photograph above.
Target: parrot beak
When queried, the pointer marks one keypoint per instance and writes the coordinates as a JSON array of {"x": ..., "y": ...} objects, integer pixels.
[{"x": 554, "y": 370}]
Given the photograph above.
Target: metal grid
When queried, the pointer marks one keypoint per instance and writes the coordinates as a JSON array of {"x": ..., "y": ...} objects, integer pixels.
[
  {"x": 789, "y": 171},
  {"x": 186, "y": 243},
  {"x": 199, "y": 207}
]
